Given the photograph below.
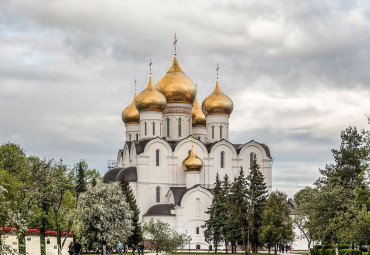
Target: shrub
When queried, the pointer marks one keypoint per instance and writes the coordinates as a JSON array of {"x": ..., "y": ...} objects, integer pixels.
[
  {"x": 330, "y": 252},
  {"x": 343, "y": 246},
  {"x": 349, "y": 252}
]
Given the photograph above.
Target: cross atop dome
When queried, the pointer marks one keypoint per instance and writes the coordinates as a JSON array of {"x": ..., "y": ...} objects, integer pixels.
[
  {"x": 217, "y": 68},
  {"x": 174, "y": 43}
]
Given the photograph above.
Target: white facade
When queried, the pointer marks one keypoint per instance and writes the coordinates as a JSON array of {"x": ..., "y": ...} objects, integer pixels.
[{"x": 153, "y": 162}]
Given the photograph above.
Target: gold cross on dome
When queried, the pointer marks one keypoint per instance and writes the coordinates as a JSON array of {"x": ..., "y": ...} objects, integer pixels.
[
  {"x": 217, "y": 68},
  {"x": 150, "y": 66},
  {"x": 174, "y": 43}
]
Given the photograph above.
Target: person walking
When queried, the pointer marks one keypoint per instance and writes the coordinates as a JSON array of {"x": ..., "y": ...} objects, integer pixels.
[
  {"x": 71, "y": 249},
  {"x": 138, "y": 249},
  {"x": 133, "y": 249},
  {"x": 142, "y": 248},
  {"x": 120, "y": 247},
  {"x": 77, "y": 247},
  {"x": 126, "y": 248},
  {"x": 109, "y": 249}
]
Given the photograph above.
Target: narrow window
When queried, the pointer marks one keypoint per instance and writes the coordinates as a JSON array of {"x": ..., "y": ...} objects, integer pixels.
[
  {"x": 137, "y": 137},
  {"x": 222, "y": 159},
  {"x": 160, "y": 129},
  {"x": 197, "y": 231},
  {"x": 213, "y": 132},
  {"x": 197, "y": 207},
  {"x": 168, "y": 127},
  {"x": 251, "y": 159},
  {"x": 157, "y": 157},
  {"x": 153, "y": 128},
  {"x": 220, "y": 132},
  {"x": 129, "y": 137},
  {"x": 145, "y": 128},
  {"x": 179, "y": 126},
  {"x": 158, "y": 194}
]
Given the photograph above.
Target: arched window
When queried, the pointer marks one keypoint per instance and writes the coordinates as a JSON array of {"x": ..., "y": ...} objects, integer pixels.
[
  {"x": 220, "y": 132},
  {"x": 137, "y": 137},
  {"x": 251, "y": 157},
  {"x": 160, "y": 129},
  {"x": 222, "y": 163},
  {"x": 179, "y": 126},
  {"x": 213, "y": 132},
  {"x": 168, "y": 127},
  {"x": 157, "y": 157},
  {"x": 153, "y": 128},
  {"x": 145, "y": 128},
  {"x": 197, "y": 207},
  {"x": 197, "y": 231},
  {"x": 129, "y": 137},
  {"x": 158, "y": 194}
]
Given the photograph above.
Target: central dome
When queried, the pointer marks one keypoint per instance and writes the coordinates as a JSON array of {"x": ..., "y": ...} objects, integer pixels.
[{"x": 176, "y": 86}]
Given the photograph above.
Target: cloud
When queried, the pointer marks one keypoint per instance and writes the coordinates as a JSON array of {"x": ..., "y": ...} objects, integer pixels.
[{"x": 297, "y": 73}]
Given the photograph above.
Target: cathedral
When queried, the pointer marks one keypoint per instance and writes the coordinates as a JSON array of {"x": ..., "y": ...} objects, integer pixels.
[{"x": 175, "y": 147}]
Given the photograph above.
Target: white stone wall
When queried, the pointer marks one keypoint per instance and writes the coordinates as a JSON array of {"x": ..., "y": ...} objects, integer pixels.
[
  {"x": 148, "y": 119},
  {"x": 132, "y": 132},
  {"x": 200, "y": 133},
  {"x": 215, "y": 122},
  {"x": 172, "y": 114}
]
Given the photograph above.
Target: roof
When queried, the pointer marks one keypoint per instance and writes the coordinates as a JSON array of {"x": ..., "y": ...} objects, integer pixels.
[
  {"x": 177, "y": 193},
  {"x": 140, "y": 145},
  {"x": 111, "y": 174},
  {"x": 160, "y": 210},
  {"x": 130, "y": 174}
]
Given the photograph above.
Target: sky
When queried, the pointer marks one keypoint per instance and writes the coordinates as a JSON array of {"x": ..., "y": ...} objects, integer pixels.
[{"x": 297, "y": 72}]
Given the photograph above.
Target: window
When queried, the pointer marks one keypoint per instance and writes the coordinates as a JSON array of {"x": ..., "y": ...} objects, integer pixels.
[
  {"x": 220, "y": 132},
  {"x": 252, "y": 155},
  {"x": 168, "y": 127},
  {"x": 145, "y": 128},
  {"x": 197, "y": 231},
  {"x": 129, "y": 137},
  {"x": 213, "y": 132},
  {"x": 197, "y": 246},
  {"x": 179, "y": 126},
  {"x": 222, "y": 163},
  {"x": 157, "y": 157},
  {"x": 153, "y": 128},
  {"x": 137, "y": 137},
  {"x": 158, "y": 194},
  {"x": 197, "y": 207},
  {"x": 160, "y": 129}
]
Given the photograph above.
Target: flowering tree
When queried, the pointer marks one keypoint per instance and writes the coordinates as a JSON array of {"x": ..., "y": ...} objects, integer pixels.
[{"x": 104, "y": 214}]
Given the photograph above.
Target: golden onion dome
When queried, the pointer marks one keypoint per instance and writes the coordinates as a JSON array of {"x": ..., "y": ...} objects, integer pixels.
[
  {"x": 192, "y": 162},
  {"x": 150, "y": 99},
  {"x": 130, "y": 114},
  {"x": 198, "y": 118},
  {"x": 217, "y": 102},
  {"x": 176, "y": 86}
]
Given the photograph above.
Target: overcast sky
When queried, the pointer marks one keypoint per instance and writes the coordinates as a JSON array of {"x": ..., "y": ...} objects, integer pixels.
[{"x": 297, "y": 72}]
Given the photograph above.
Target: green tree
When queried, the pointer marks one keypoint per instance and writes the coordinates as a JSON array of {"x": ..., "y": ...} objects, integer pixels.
[
  {"x": 215, "y": 224},
  {"x": 257, "y": 196},
  {"x": 159, "y": 233},
  {"x": 137, "y": 233},
  {"x": 276, "y": 222},
  {"x": 225, "y": 190}
]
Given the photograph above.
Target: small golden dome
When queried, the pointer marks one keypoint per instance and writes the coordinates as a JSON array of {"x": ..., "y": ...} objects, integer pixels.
[
  {"x": 130, "y": 114},
  {"x": 176, "y": 86},
  {"x": 192, "y": 162},
  {"x": 217, "y": 102},
  {"x": 150, "y": 99},
  {"x": 198, "y": 118}
]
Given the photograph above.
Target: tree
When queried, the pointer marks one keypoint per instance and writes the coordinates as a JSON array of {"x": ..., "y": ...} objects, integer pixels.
[
  {"x": 137, "y": 233},
  {"x": 225, "y": 190},
  {"x": 215, "y": 224},
  {"x": 104, "y": 214},
  {"x": 257, "y": 196},
  {"x": 276, "y": 222},
  {"x": 237, "y": 204},
  {"x": 159, "y": 233}
]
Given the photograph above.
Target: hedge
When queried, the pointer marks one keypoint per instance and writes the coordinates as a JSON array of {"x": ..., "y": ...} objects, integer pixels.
[{"x": 349, "y": 252}]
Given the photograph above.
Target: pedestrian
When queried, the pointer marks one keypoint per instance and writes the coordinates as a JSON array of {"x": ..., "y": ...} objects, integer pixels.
[
  {"x": 71, "y": 249},
  {"x": 77, "y": 247},
  {"x": 142, "y": 248},
  {"x": 133, "y": 249},
  {"x": 126, "y": 248},
  {"x": 138, "y": 248},
  {"x": 286, "y": 248},
  {"x": 120, "y": 247},
  {"x": 109, "y": 249},
  {"x": 282, "y": 248}
]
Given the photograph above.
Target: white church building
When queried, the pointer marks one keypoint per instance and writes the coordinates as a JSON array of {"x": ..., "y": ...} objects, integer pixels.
[{"x": 174, "y": 148}]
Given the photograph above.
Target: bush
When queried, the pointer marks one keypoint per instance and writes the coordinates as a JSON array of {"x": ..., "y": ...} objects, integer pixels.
[
  {"x": 343, "y": 246},
  {"x": 22, "y": 249},
  {"x": 330, "y": 252},
  {"x": 313, "y": 251},
  {"x": 349, "y": 252}
]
